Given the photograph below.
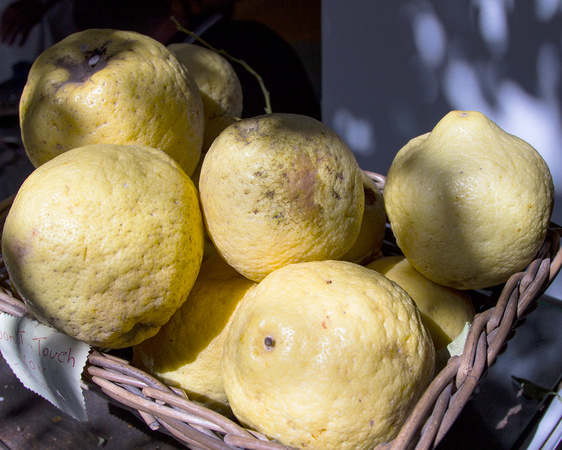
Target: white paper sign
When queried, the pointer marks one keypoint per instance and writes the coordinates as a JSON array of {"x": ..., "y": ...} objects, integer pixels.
[{"x": 46, "y": 361}]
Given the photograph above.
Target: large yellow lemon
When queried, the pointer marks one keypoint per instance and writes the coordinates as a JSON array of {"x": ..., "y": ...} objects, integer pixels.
[
  {"x": 469, "y": 203},
  {"x": 279, "y": 189},
  {"x": 104, "y": 242},
  {"x": 445, "y": 311},
  {"x": 218, "y": 84},
  {"x": 111, "y": 86},
  {"x": 326, "y": 355},
  {"x": 187, "y": 351}
]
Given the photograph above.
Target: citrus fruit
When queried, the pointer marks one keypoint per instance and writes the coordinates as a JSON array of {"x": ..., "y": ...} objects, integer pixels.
[
  {"x": 218, "y": 84},
  {"x": 326, "y": 354},
  {"x": 187, "y": 351},
  {"x": 110, "y": 86},
  {"x": 368, "y": 245},
  {"x": 278, "y": 189},
  {"x": 104, "y": 242},
  {"x": 444, "y": 310},
  {"x": 469, "y": 203}
]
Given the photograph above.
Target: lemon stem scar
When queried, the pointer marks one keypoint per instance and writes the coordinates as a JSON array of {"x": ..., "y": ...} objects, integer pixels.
[
  {"x": 81, "y": 70},
  {"x": 269, "y": 342},
  {"x": 258, "y": 77}
]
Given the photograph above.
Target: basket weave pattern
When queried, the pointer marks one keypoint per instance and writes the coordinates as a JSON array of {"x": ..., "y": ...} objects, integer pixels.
[{"x": 169, "y": 410}]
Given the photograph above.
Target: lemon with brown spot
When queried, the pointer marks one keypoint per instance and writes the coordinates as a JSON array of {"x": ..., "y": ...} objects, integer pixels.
[
  {"x": 104, "y": 242},
  {"x": 111, "y": 86},
  {"x": 278, "y": 189},
  {"x": 326, "y": 355}
]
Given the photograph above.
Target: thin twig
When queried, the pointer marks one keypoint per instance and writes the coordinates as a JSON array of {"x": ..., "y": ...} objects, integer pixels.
[{"x": 224, "y": 53}]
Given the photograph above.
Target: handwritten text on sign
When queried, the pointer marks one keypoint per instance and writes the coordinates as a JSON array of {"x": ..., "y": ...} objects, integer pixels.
[{"x": 46, "y": 361}]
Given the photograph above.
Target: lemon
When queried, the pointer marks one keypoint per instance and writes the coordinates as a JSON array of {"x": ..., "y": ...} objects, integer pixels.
[
  {"x": 368, "y": 245},
  {"x": 187, "y": 351},
  {"x": 111, "y": 86},
  {"x": 279, "y": 189},
  {"x": 104, "y": 242},
  {"x": 218, "y": 85},
  {"x": 326, "y": 354},
  {"x": 469, "y": 203},
  {"x": 444, "y": 310}
]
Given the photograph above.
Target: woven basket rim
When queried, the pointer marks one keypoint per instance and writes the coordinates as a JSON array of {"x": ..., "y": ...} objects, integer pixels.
[{"x": 168, "y": 409}]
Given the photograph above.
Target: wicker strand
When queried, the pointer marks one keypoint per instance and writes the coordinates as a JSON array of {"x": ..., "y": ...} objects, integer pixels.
[
  {"x": 469, "y": 354},
  {"x": 253, "y": 444},
  {"x": 12, "y": 306},
  {"x": 499, "y": 308},
  {"x": 535, "y": 288},
  {"x": 555, "y": 232},
  {"x": 505, "y": 327},
  {"x": 187, "y": 434},
  {"x": 433, "y": 424},
  {"x": 225, "y": 425},
  {"x": 190, "y": 435},
  {"x": 108, "y": 362},
  {"x": 162, "y": 412},
  {"x": 465, "y": 391},
  {"x": 115, "y": 377},
  {"x": 179, "y": 435}
]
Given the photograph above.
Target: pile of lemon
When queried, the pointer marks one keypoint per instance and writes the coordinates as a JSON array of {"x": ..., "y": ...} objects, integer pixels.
[{"x": 241, "y": 259}]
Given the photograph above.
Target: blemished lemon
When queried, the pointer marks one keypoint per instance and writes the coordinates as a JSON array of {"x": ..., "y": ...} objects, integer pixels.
[
  {"x": 104, "y": 242},
  {"x": 218, "y": 85},
  {"x": 279, "y": 189},
  {"x": 326, "y": 355},
  {"x": 111, "y": 86},
  {"x": 368, "y": 245},
  {"x": 469, "y": 203},
  {"x": 444, "y": 310},
  {"x": 187, "y": 351}
]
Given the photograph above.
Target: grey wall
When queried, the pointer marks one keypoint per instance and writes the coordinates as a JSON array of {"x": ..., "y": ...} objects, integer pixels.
[{"x": 391, "y": 69}]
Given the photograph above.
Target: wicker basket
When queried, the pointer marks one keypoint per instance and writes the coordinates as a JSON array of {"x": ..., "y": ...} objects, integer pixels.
[{"x": 169, "y": 410}]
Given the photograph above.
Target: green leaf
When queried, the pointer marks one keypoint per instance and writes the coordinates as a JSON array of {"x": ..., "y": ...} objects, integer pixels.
[{"x": 455, "y": 348}]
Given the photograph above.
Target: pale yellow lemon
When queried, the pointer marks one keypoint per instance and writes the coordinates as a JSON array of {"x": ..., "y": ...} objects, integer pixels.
[
  {"x": 469, "y": 203},
  {"x": 111, "y": 86},
  {"x": 104, "y": 242},
  {"x": 278, "y": 189},
  {"x": 444, "y": 310},
  {"x": 187, "y": 351},
  {"x": 368, "y": 245},
  {"x": 326, "y": 355},
  {"x": 218, "y": 84}
]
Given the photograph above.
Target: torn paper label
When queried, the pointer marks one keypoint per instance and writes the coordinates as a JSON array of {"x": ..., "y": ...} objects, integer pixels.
[{"x": 46, "y": 361}]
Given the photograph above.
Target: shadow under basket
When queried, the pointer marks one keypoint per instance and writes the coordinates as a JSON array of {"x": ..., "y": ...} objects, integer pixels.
[{"x": 500, "y": 311}]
